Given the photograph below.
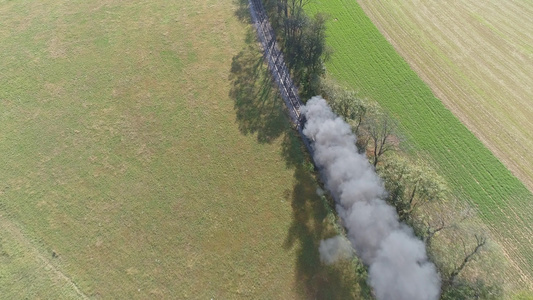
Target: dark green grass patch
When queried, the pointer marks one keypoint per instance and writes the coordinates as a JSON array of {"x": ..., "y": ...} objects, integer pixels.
[{"x": 365, "y": 61}]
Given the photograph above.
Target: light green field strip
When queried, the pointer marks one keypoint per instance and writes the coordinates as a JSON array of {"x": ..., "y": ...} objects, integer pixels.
[{"x": 365, "y": 61}]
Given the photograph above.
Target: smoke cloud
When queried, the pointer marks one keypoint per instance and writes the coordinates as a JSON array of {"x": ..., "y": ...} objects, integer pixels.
[
  {"x": 398, "y": 265},
  {"x": 335, "y": 249}
]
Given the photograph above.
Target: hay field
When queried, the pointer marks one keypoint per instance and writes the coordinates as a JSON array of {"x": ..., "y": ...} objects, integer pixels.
[
  {"x": 364, "y": 61},
  {"x": 477, "y": 57},
  {"x": 145, "y": 155}
]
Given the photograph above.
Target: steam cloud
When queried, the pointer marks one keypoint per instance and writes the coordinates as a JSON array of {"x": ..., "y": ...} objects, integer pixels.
[
  {"x": 398, "y": 265},
  {"x": 335, "y": 249}
]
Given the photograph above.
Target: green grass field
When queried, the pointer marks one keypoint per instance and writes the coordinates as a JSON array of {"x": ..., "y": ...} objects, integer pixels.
[
  {"x": 366, "y": 62},
  {"x": 145, "y": 155}
]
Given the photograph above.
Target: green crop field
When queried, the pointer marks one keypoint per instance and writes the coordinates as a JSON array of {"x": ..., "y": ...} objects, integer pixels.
[
  {"x": 477, "y": 57},
  {"x": 145, "y": 155},
  {"x": 366, "y": 62}
]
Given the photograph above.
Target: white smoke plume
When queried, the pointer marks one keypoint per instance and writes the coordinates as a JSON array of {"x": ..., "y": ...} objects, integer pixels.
[
  {"x": 398, "y": 265},
  {"x": 335, "y": 249}
]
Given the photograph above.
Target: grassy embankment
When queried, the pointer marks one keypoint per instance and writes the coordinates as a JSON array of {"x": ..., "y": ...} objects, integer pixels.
[
  {"x": 145, "y": 155},
  {"x": 366, "y": 62}
]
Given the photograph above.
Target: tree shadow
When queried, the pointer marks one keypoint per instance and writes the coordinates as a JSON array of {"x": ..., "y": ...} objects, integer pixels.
[
  {"x": 257, "y": 106},
  {"x": 312, "y": 222},
  {"x": 242, "y": 12},
  {"x": 260, "y": 111}
]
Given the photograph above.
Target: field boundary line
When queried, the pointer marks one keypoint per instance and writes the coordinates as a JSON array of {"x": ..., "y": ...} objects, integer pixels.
[{"x": 17, "y": 234}]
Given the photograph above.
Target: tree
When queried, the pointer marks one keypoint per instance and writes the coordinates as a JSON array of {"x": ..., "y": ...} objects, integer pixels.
[
  {"x": 411, "y": 185},
  {"x": 303, "y": 40},
  {"x": 394, "y": 172},
  {"x": 345, "y": 103},
  {"x": 381, "y": 130},
  {"x": 354, "y": 110},
  {"x": 425, "y": 186},
  {"x": 447, "y": 216},
  {"x": 478, "y": 289},
  {"x": 480, "y": 242},
  {"x": 453, "y": 244},
  {"x": 313, "y": 53}
]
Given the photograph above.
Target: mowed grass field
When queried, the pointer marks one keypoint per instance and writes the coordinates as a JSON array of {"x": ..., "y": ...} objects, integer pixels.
[
  {"x": 477, "y": 57},
  {"x": 145, "y": 155},
  {"x": 363, "y": 60}
]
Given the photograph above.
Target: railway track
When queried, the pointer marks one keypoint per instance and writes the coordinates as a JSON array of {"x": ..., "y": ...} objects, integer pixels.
[
  {"x": 275, "y": 60},
  {"x": 278, "y": 68}
]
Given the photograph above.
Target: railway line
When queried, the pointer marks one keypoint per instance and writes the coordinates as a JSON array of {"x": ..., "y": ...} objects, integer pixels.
[
  {"x": 275, "y": 60},
  {"x": 276, "y": 64}
]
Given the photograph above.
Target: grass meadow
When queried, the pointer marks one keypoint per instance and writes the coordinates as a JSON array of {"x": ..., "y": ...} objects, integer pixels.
[
  {"x": 363, "y": 60},
  {"x": 145, "y": 154}
]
